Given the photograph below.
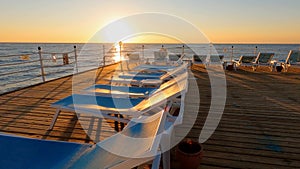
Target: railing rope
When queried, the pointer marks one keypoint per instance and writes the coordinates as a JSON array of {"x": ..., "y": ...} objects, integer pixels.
[{"x": 41, "y": 64}]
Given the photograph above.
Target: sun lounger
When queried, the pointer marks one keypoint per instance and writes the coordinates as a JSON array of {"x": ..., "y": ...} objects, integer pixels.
[
  {"x": 146, "y": 72},
  {"x": 154, "y": 68},
  {"x": 141, "y": 137},
  {"x": 199, "y": 59},
  {"x": 133, "y": 59},
  {"x": 160, "y": 56},
  {"x": 246, "y": 60},
  {"x": 138, "y": 143},
  {"x": 174, "y": 57},
  {"x": 103, "y": 106},
  {"x": 139, "y": 76},
  {"x": 19, "y": 152},
  {"x": 119, "y": 91},
  {"x": 263, "y": 59},
  {"x": 292, "y": 60},
  {"x": 154, "y": 80},
  {"x": 215, "y": 61}
]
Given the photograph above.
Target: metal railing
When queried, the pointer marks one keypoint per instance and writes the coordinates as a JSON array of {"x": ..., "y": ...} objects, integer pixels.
[
  {"x": 21, "y": 70},
  {"x": 35, "y": 67}
]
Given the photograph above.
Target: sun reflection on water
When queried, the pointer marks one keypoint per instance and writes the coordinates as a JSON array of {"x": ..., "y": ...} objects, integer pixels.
[{"x": 118, "y": 47}]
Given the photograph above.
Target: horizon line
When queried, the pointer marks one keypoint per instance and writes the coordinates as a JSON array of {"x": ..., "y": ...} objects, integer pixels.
[{"x": 217, "y": 43}]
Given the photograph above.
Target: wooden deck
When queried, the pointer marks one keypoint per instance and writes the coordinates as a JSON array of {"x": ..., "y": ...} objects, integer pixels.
[
  {"x": 259, "y": 127},
  {"x": 27, "y": 112}
]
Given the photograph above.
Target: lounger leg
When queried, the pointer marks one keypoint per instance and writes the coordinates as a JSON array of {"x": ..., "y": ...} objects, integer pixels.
[
  {"x": 156, "y": 162},
  {"x": 54, "y": 119},
  {"x": 116, "y": 123},
  {"x": 166, "y": 159},
  {"x": 122, "y": 125},
  {"x": 166, "y": 148},
  {"x": 287, "y": 68},
  {"x": 272, "y": 68},
  {"x": 254, "y": 68}
]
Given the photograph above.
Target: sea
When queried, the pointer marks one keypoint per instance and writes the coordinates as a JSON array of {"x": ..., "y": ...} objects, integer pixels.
[{"x": 20, "y": 63}]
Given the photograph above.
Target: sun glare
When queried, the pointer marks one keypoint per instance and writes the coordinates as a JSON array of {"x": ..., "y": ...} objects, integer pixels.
[
  {"x": 117, "y": 48},
  {"x": 151, "y": 38},
  {"x": 144, "y": 38}
]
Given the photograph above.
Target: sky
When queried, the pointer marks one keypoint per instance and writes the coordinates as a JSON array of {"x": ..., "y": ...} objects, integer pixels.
[{"x": 220, "y": 21}]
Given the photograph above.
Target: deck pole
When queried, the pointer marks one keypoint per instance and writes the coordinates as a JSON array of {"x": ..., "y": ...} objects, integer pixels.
[
  {"x": 255, "y": 50},
  {"x": 103, "y": 55},
  {"x": 76, "y": 61},
  {"x": 143, "y": 48},
  {"x": 210, "y": 48},
  {"x": 120, "y": 45},
  {"x": 231, "y": 54},
  {"x": 41, "y": 64}
]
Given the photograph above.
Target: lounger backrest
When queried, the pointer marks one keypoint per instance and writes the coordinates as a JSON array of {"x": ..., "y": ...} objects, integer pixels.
[
  {"x": 174, "y": 71},
  {"x": 199, "y": 58},
  {"x": 264, "y": 57},
  {"x": 216, "y": 58},
  {"x": 20, "y": 152},
  {"x": 247, "y": 59},
  {"x": 118, "y": 90},
  {"x": 293, "y": 57},
  {"x": 139, "y": 139},
  {"x": 133, "y": 56},
  {"x": 160, "y": 55},
  {"x": 174, "y": 57},
  {"x": 140, "y": 135}
]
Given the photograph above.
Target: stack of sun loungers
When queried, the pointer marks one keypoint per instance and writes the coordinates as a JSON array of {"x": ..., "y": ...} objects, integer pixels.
[{"x": 145, "y": 100}]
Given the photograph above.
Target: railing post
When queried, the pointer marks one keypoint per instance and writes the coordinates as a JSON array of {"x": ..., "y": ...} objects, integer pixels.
[
  {"x": 76, "y": 61},
  {"x": 255, "y": 50},
  {"x": 210, "y": 49},
  {"x": 231, "y": 54},
  {"x": 143, "y": 50},
  {"x": 41, "y": 64},
  {"x": 120, "y": 45},
  {"x": 103, "y": 55}
]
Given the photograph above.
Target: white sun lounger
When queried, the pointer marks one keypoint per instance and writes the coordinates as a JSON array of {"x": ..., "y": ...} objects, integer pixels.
[
  {"x": 140, "y": 137},
  {"x": 215, "y": 61},
  {"x": 199, "y": 59},
  {"x": 154, "y": 80},
  {"x": 263, "y": 59},
  {"x": 292, "y": 60},
  {"x": 246, "y": 60},
  {"x": 160, "y": 56},
  {"x": 133, "y": 107},
  {"x": 137, "y": 144},
  {"x": 133, "y": 59}
]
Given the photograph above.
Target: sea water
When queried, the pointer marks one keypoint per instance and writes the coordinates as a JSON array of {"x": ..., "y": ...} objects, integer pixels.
[{"x": 14, "y": 75}]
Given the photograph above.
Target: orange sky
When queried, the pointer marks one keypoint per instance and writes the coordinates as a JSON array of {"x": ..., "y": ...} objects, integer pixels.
[{"x": 231, "y": 21}]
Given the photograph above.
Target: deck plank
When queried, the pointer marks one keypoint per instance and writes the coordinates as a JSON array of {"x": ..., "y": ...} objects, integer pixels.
[{"x": 259, "y": 126}]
